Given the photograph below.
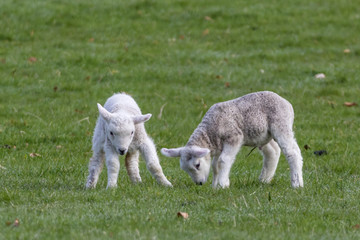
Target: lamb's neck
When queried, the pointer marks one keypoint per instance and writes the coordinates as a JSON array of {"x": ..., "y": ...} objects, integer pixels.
[{"x": 200, "y": 138}]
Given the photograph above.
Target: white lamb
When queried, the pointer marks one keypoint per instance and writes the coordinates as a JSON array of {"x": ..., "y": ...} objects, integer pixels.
[
  {"x": 256, "y": 119},
  {"x": 120, "y": 130}
]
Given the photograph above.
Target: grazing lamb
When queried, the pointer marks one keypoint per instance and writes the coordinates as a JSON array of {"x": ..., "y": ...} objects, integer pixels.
[
  {"x": 260, "y": 119},
  {"x": 120, "y": 130}
]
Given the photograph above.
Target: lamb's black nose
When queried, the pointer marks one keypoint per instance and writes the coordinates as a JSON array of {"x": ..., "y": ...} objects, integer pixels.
[
  {"x": 200, "y": 183},
  {"x": 121, "y": 151}
]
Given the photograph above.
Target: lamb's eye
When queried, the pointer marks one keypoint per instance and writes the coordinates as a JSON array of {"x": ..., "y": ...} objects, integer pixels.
[
  {"x": 132, "y": 132},
  {"x": 197, "y": 166},
  {"x": 111, "y": 133}
]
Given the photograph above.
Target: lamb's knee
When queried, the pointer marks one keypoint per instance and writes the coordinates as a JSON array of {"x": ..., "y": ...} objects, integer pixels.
[
  {"x": 292, "y": 155},
  {"x": 113, "y": 166},
  {"x": 154, "y": 168}
]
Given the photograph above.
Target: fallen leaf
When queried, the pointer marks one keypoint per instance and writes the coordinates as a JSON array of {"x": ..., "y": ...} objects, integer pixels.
[
  {"x": 347, "y": 50},
  {"x": 227, "y": 84},
  {"x": 182, "y": 37},
  {"x": 16, "y": 223},
  {"x": 184, "y": 215},
  {"x": 205, "y": 32},
  {"x": 320, "y": 76},
  {"x": 91, "y": 40},
  {"x": 219, "y": 76},
  {"x": 350, "y": 104},
  {"x": 34, "y": 155},
  {"x": 58, "y": 146},
  {"x": 357, "y": 226},
  {"x": 87, "y": 78},
  {"x": 3, "y": 60},
  {"x": 32, "y": 59},
  {"x": 55, "y": 88},
  {"x": 307, "y": 147},
  {"x": 207, "y": 18}
]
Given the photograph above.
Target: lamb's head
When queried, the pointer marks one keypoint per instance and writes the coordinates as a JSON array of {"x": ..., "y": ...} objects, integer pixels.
[
  {"x": 120, "y": 128},
  {"x": 193, "y": 160}
]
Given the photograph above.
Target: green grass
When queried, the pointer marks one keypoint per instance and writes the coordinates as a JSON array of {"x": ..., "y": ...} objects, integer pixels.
[{"x": 59, "y": 58}]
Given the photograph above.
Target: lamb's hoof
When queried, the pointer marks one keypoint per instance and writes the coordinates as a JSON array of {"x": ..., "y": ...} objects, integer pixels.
[
  {"x": 90, "y": 185},
  {"x": 136, "y": 180},
  {"x": 111, "y": 186},
  {"x": 297, "y": 185},
  {"x": 166, "y": 183},
  {"x": 265, "y": 179},
  {"x": 297, "y": 181},
  {"x": 222, "y": 185}
]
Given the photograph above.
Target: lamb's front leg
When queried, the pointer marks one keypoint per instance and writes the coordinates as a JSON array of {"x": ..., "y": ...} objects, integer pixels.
[
  {"x": 113, "y": 166},
  {"x": 95, "y": 166},
  {"x": 148, "y": 151},
  {"x": 225, "y": 162},
  {"x": 132, "y": 166},
  {"x": 215, "y": 169}
]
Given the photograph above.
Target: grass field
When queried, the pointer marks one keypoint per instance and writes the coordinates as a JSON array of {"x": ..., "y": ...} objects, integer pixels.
[{"x": 59, "y": 58}]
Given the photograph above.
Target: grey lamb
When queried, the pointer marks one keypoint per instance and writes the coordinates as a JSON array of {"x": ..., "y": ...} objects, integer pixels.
[{"x": 260, "y": 119}]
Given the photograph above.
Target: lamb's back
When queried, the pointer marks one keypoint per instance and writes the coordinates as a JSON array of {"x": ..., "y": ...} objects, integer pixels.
[
  {"x": 252, "y": 116},
  {"x": 263, "y": 104}
]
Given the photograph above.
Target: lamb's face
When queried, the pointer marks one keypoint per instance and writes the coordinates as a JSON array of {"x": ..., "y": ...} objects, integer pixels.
[
  {"x": 197, "y": 168},
  {"x": 120, "y": 131},
  {"x": 120, "y": 128},
  {"x": 193, "y": 160}
]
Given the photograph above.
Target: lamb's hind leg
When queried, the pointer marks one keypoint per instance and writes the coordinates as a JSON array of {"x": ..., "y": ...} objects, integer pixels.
[
  {"x": 148, "y": 151},
  {"x": 95, "y": 166},
  {"x": 132, "y": 166},
  {"x": 292, "y": 153},
  {"x": 271, "y": 155}
]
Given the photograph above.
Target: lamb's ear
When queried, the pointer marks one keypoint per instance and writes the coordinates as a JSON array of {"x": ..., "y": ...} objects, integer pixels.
[
  {"x": 104, "y": 113},
  {"x": 200, "y": 152},
  {"x": 141, "y": 118},
  {"x": 173, "y": 152}
]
